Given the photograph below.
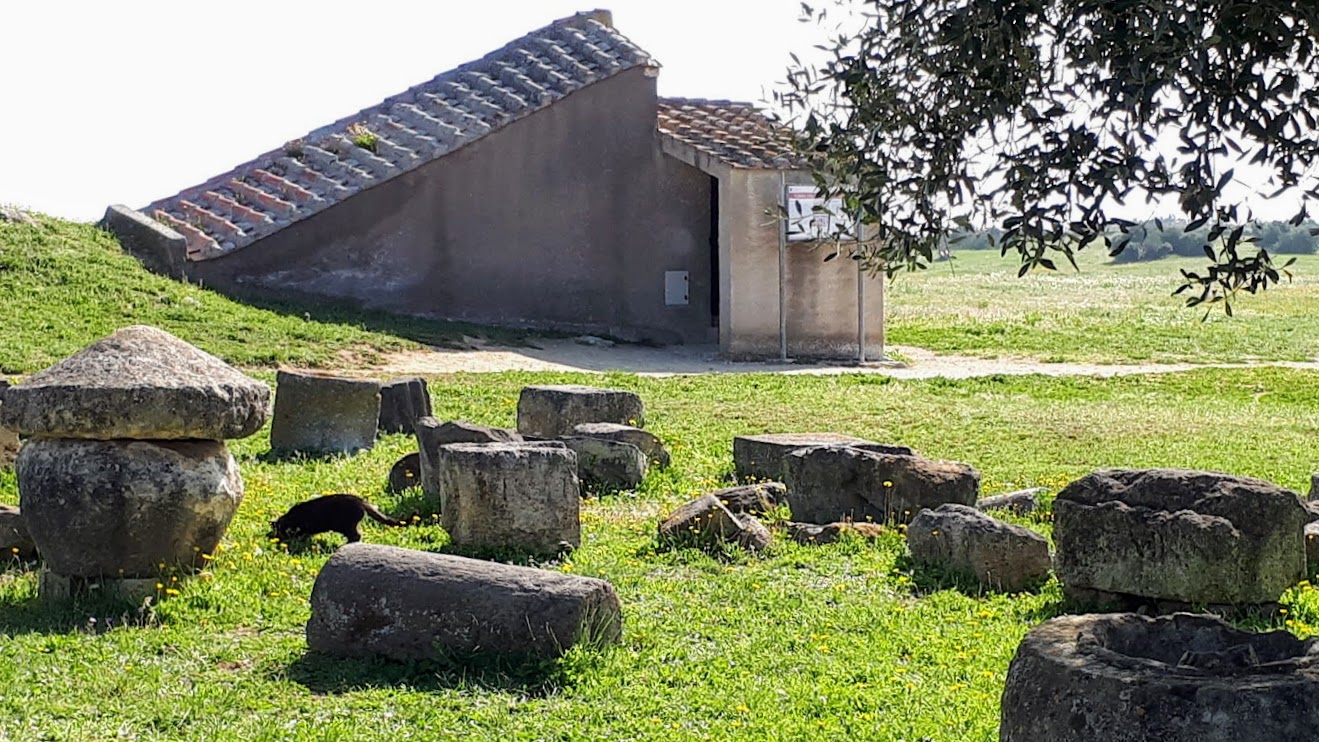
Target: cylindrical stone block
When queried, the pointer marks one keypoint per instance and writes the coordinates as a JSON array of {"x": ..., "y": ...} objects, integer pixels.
[
  {"x": 122, "y": 508},
  {"x": 523, "y": 496},
  {"x": 383, "y": 601},
  {"x": 324, "y": 414}
]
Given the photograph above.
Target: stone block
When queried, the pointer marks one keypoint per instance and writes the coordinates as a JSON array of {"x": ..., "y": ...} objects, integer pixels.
[
  {"x": 813, "y": 534},
  {"x": 320, "y": 414},
  {"x": 15, "y": 541},
  {"x": 121, "y": 508},
  {"x": 704, "y": 523},
  {"x": 648, "y": 442},
  {"x": 402, "y": 403},
  {"x": 141, "y": 383},
  {"x": 383, "y": 601},
  {"x": 157, "y": 247},
  {"x": 605, "y": 462},
  {"x": 752, "y": 499},
  {"x": 1021, "y": 502},
  {"x": 552, "y": 411},
  {"x": 9, "y": 441},
  {"x": 1177, "y": 535},
  {"x": 760, "y": 457},
  {"x": 431, "y": 434},
  {"x": 522, "y": 496},
  {"x": 843, "y": 483},
  {"x": 959, "y": 538},
  {"x": 405, "y": 473}
]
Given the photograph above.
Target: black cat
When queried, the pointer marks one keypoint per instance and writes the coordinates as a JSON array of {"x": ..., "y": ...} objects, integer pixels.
[{"x": 328, "y": 513}]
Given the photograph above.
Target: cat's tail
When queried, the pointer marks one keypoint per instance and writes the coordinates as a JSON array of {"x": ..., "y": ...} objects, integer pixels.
[{"x": 376, "y": 515}]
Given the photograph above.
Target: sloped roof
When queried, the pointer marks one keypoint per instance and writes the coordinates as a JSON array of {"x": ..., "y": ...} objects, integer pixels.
[
  {"x": 735, "y": 133},
  {"x": 410, "y": 129}
]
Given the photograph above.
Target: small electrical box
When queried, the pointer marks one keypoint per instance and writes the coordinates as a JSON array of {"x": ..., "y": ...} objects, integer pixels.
[{"x": 675, "y": 288}]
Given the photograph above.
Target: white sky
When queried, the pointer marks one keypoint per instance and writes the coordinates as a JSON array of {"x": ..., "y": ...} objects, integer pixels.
[{"x": 131, "y": 101}]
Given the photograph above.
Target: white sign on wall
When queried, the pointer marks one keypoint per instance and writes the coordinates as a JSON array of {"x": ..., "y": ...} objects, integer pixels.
[{"x": 813, "y": 218}]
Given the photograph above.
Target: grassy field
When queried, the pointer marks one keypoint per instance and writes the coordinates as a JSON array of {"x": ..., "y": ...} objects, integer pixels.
[
  {"x": 1106, "y": 313},
  {"x": 64, "y": 285},
  {"x": 801, "y": 643}
]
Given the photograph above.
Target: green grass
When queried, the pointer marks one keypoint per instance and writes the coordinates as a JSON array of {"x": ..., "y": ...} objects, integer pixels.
[
  {"x": 801, "y": 643},
  {"x": 64, "y": 285},
  {"x": 1107, "y": 313}
]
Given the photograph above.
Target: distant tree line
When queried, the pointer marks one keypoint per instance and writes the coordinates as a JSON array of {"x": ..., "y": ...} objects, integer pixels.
[{"x": 1153, "y": 240}]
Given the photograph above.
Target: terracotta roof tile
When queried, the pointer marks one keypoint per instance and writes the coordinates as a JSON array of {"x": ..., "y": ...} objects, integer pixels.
[
  {"x": 733, "y": 132},
  {"x": 412, "y": 128}
]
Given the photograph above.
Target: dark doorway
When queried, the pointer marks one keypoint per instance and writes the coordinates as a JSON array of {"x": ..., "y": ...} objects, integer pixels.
[{"x": 714, "y": 252}]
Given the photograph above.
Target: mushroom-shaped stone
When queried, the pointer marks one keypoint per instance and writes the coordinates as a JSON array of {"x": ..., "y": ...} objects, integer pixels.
[
  {"x": 551, "y": 411},
  {"x": 960, "y": 538},
  {"x": 142, "y": 383},
  {"x": 1179, "y": 678},
  {"x": 383, "y": 601},
  {"x": 523, "y": 496},
  {"x": 318, "y": 413},
  {"x": 121, "y": 508},
  {"x": 1177, "y": 535}
]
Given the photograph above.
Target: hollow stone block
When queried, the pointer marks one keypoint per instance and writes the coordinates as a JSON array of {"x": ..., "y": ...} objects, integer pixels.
[{"x": 1179, "y": 678}]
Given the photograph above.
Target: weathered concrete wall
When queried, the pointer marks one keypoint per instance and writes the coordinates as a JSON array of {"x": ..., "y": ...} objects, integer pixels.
[
  {"x": 683, "y": 223},
  {"x": 821, "y": 301},
  {"x": 566, "y": 218}
]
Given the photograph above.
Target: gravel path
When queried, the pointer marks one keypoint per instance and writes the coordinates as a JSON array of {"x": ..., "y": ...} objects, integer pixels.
[{"x": 572, "y": 355}]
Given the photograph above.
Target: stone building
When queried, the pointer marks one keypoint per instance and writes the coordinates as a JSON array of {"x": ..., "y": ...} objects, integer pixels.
[{"x": 545, "y": 185}]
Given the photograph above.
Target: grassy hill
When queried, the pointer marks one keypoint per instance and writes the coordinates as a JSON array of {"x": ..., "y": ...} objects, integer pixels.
[{"x": 65, "y": 284}]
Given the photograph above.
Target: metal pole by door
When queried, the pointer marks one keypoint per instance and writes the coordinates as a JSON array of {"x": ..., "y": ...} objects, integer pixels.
[
  {"x": 860, "y": 313},
  {"x": 783, "y": 266},
  {"x": 860, "y": 296}
]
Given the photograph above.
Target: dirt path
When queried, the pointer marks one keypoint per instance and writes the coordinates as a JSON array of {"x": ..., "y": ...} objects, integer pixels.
[{"x": 571, "y": 355}]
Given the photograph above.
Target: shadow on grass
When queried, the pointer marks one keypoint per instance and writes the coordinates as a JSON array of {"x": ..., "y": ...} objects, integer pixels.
[
  {"x": 24, "y": 613},
  {"x": 926, "y": 579},
  {"x": 413, "y": 506},
  {"x": 325, "y": 674},
  {"x": 276, "y": 456}
]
